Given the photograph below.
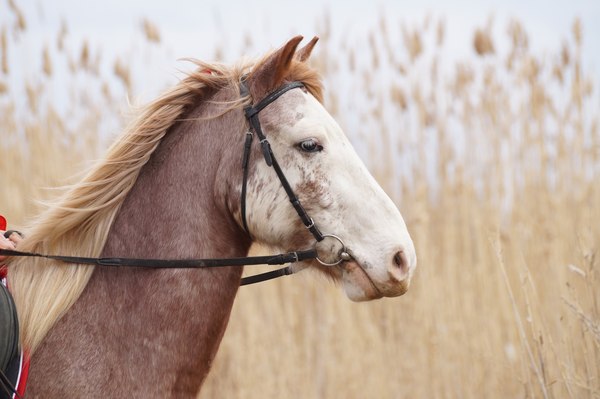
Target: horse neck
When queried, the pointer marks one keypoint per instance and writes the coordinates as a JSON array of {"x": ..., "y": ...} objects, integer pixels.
[
  {"x": 184, "y": 200},
  {"x": 180, "y": 208}
]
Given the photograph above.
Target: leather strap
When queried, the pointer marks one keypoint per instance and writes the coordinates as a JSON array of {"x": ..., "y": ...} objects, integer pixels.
[
  {"x": 284, "y": 271},
  {"x": 279, "y": 259},
  {"x": 245, "y": 162},
  {"x": 252, "y": 116},
  {"x": 307, "y": 220},
  {"x": 274, "y": 95}
]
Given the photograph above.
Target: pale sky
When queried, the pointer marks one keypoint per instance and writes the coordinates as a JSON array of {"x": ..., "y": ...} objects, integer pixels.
[
  {"x": 195, "y": 28},
  {"x": 189, "y": 26}
]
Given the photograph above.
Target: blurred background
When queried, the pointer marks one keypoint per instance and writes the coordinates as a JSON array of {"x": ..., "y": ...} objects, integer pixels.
[{"x": 480, "y": 119}]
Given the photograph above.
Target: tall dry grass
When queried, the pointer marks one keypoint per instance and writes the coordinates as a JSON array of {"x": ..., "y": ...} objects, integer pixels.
[{"x": 494, "y": 163}]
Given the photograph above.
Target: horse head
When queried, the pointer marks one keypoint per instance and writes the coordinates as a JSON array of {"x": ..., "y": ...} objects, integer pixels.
[{"x": 333, "y": 185}]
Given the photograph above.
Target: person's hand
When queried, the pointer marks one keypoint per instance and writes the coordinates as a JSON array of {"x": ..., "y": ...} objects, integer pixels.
[
  {"x": 15, "y": 237},
  {"x": 8, "y": 243}
]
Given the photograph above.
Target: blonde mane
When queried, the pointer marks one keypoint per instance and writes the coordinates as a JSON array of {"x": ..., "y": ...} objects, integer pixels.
[{"x": 78, "y": 223}]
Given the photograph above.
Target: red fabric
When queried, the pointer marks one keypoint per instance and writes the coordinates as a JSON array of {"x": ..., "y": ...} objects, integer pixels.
[
  {"x": 3, "y": 269},
  {"x": 22, "y": 383}
]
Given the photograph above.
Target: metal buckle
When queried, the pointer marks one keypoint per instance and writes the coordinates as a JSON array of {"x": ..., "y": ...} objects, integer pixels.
[{"x": 344, "y": 255}]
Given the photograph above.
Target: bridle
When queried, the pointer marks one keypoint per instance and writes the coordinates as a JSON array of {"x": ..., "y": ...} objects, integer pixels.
[
  {"x": 251, "y": 112},
  {"x": 252, "y": 117}
]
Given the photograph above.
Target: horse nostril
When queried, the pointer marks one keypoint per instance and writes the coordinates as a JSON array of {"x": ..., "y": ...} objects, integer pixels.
[{"x": 400, "y": 261}]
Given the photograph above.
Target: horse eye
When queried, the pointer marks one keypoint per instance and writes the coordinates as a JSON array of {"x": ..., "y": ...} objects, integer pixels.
[{"x": 310, "y": 145}]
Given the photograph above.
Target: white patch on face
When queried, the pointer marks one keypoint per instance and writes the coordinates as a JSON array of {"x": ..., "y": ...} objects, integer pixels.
[{"x": 337, "y": 191}]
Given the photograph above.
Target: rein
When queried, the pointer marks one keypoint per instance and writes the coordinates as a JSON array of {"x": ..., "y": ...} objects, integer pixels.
[
  {"x": 279, "y": 259},
  {"x": 251, "y": 112}
]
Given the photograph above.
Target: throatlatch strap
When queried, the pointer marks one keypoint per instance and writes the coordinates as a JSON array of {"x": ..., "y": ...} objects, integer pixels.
[{"x": 245, "y": 162}]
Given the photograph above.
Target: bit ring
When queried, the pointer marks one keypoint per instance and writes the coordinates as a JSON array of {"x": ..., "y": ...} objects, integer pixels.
[{"x": 343, "y": 255}]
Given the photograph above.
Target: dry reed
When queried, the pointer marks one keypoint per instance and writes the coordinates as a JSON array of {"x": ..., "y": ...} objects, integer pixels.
[
  {"x": 494, "y": 167},
  {"x": 151, "y": 31}
]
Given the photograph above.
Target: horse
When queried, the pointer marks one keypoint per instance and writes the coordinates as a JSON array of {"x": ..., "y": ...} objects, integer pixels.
[{"x": 171, "y": 187}]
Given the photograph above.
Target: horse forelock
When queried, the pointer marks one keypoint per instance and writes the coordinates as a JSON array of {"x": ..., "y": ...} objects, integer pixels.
[
  {"x": 297, "y": 71},
  {"x": 302, "y": 72},
  {"x": 78, "y": 223}
]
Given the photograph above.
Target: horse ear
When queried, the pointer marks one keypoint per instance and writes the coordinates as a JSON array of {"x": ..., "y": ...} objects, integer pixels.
[
  {"x": 270, "y": 74},
  {"x": 304, "y": 53}
]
